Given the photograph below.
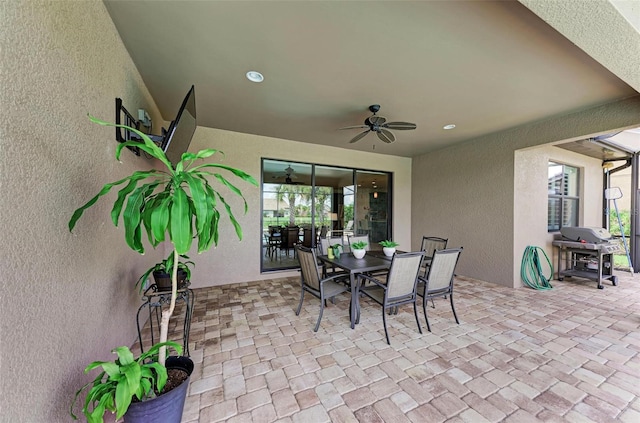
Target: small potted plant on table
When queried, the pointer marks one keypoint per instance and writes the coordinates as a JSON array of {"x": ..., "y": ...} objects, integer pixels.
[
  {"x": 358, "y": 249},
  {"x": 335, "y": 251},
  {"x": 388, "y": 247}
]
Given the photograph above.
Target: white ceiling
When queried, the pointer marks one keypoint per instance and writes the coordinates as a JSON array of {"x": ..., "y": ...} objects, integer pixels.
[{"x": 483, "y": 65}]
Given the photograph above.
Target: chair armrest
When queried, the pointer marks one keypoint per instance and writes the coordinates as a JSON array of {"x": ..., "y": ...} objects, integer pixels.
[
  {"x": 334, "y": 277},
  {"x": 374, "y": 280}
]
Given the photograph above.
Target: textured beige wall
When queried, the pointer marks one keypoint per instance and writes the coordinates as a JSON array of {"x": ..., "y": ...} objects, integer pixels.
[
  {"x": 530, "y": 198},
  {"x": 467, "y": 192},
  {"x": 607, "y": 30},
  {"x": 66, "y": 300},
  {"x": 235, "y": 261},
  {"x": 622, "y": 180}
]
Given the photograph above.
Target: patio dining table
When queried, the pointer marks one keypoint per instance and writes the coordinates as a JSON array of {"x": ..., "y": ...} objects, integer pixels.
[{"x": 347, "y": 262}]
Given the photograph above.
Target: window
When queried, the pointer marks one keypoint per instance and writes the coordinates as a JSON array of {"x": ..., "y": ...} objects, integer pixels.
[
  {"x": 564, "y": 200},
  {"x": 314, "y": 201}
]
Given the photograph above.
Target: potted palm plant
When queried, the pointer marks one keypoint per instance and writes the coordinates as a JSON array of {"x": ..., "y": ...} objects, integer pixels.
[
  {"x": 177, "y": 204},
  {"x": 335, "y": 249},
  {"x": 358, "y": 249},
  {"x": 388, "y": 247},
  {"x": 127, "y": 382}
]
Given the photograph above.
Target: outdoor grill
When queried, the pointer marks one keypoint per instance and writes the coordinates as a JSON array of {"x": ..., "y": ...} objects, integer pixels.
[{"x": 587, "y": 252}]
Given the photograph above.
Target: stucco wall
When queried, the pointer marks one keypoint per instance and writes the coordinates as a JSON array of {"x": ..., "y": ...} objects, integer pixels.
[
  {"x": 66, "y": 299},
  {"x": 467, "y": 192},
  {"x": 235, "y": 261},
  {"x": 530, "y": 198}
]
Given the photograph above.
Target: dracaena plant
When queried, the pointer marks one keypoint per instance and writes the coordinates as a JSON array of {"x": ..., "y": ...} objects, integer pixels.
[
  {"x": 121, "y": 380},
  {"x": 177, "y": 204}
]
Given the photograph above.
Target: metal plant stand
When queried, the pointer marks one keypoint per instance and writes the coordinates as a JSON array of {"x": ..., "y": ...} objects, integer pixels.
[{"x": 154, "y": 300}]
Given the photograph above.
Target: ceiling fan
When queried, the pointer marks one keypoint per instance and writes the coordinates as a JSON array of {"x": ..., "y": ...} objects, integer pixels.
[
  {"x": 289, "y": 174},
  {"x": 380, "y": 126}
]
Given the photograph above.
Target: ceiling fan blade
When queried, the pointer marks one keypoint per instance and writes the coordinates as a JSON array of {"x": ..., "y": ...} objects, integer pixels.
[
  {"x": 359, "y": 136},
  {"x": 354, "y": 127},
  {"x": 386, "y": 136},
  {"x": 403, "y": 126},
  {"x": 377, "y": 120}
]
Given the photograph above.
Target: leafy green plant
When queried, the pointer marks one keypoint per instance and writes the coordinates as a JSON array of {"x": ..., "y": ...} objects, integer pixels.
[
  {"x": 388, "y": 243},
  {"x": 176, "y": 204},
  {"x": 121, "y": 380},
  {"x": 166, "y": 266},
  {"x": 358, "y": 245}
]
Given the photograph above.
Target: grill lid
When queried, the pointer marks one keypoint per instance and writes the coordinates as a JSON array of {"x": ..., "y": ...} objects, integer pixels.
[{"x": 585, "y": 233}]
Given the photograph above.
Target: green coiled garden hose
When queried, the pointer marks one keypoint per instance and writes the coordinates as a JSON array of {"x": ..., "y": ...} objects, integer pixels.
[{"x": 531, "y": 270}]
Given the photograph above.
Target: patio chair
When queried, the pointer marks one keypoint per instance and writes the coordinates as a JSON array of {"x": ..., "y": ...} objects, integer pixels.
[
  {"x": 429, "y": 245},
  {"x": 399, "y": 289},
  {"x": 310, "y": 281},
  {"x": 439, "y": 280}
]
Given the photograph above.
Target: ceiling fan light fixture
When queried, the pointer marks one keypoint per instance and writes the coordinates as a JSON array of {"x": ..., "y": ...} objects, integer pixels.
[
  {"x": 380, "y": 126},
  {"x": 449, "y": 126},
  {"x": 255, "y": 76}
]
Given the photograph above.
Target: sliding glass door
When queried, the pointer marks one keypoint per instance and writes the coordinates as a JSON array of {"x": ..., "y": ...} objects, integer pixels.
[
  {"x": 372, "y": 211},
  {"x": 302, "y": 202}
]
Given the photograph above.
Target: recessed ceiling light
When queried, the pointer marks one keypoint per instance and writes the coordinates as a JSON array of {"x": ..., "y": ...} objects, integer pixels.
[
  {"x": 255, "y": 76},
  {"x": 449, "y": 126}
]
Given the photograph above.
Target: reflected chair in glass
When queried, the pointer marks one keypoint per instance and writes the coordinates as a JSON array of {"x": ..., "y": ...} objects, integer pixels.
[
  {"x": 307, "y": 237},
  {"x": 439, "y": 280},
  {"x": 323, "y": 232},
  {"x": 310, "y": 281},
  {"x": 290, "y": 238},
  {"x": 399, "y": 289},
  {"x": 274, "y": 241}
]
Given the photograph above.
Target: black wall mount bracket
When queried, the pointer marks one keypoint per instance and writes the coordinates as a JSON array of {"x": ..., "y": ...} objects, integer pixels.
[{"x": 123, "y": 117}]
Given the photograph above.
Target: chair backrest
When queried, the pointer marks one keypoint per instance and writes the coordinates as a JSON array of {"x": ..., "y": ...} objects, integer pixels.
[
  {"x": 307, "y": 239},
  {"x": 442, "y": 269},
  {"x": 357, "y": 238},
  {"x": 403, "y": 274},
  {"x": 431, "y": 244},
  {"x": 274, "y": 229},
  {"x": 326, "y": 242},
  {"x": 308, "y": 267},
  {"x": 349, "y": 226},
  {"x": 290, "y": 237}
]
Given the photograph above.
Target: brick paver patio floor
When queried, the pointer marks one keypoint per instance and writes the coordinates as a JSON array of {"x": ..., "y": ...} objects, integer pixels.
[{"x": 570, "y": 354}]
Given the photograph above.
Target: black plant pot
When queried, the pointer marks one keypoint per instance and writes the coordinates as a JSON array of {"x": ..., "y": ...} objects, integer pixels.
[
  {"x": 163, "y": 280},
  {"x": 167, "y": 408}
]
